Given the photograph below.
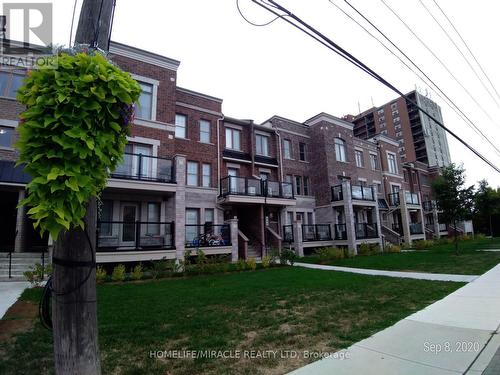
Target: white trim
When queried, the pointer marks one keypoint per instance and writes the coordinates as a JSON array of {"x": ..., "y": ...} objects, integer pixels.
[
  {"x": 144, "y": 79},
  {"x": 233, "y": 165},
  {"x": 266, "y": 165},
  {"x": 264, "y": 170},
  {"x": 362, "y": 179},
  {"x": 4, "y": 148},
  {"x": 147, "y": 141},
  {"x": 199, "y": 94},
  {"x": 357, "y": 148},
  {"x": 144, "y": 56},
  {"x": 393, "y": 175},
  {"x": 12, "y": 184},
  {"x": 196, "y": 108},
  {"x": 376, "y": 182},
  {"x": 154, "y": 94},
  {"x": 329, "y": 119},
  {"x": 237, "y": 160},
  {"x": 263, "y": 133},
  {"x": 233, "y": 126},
  {"x": 292, "y": 132},
  {"x": 154, "y": 124},
  {"x": 387, "y": 153},
  {"x": 9, "y": 123},
  {"x": 386, "y": 139}
]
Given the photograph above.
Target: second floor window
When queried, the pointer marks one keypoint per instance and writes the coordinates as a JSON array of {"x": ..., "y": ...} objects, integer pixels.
[
  {"x": 302, "y": 151},
  {"x": 145, "y": 108},
  {"x": 262, "y": 145},
  {"x": 192, "y": 173},
  {"x": 233, "y": 137},
  {"x": 298, "y": 185},
  {"x": 391, "y": 161},
  {"x": 287, "y": 149},
  {"x": 306, "y": 185},
  {"x": 6, "y": 136},
  {"x": 374, "y": 161},
  {"x": 180, "y": 126},
  {"x": 204, "y": 131},
  {"x": 206, "y": 175},
  {"x": 359, "y": 158},
  {"x": 10, "y": 83},
  {"x": 340, "y": 153}
]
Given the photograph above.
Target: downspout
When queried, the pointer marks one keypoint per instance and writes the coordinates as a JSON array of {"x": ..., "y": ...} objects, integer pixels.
[
  {"x": 280, "y": 156},
  {"x": 219, "y": 163}
]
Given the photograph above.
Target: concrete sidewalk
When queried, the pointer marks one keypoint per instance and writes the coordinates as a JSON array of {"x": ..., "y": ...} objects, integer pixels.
[
  {"x": 456, "y": 335},
  {"x": 9, "y": 293},
  {"x": 408, "y": 275}
]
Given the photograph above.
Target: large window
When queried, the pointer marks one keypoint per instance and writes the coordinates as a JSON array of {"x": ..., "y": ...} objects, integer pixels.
[
  {"x": 306, "y": 185},
  {"x": 153, "y": 227},
  {"x": 262, "y": 145},
  {"x": 391, "y": 161},
  {"x": 204, "y": 131},
  {"x": 192, "y": 220},
  {"x": 145, "y": 109},
  {"x": 180, "y": 126},
  {"x": 10, "y": 83},
  {"x": 287, "y": 149},
  {"x": 374, "y": 161},
  {"x": 192, "y": 173},
  {"x": 209, "y": 215},
  {"x": 233, "y": 137},
  {"x": 340, "y": 153},
  {"x": 359, "y": 158},
  {"x": 298, "y": 185},
  {"x": 302, "y": 151},
  {"x": 206, "y": 175},
  {"x": 6, "y": 135}
]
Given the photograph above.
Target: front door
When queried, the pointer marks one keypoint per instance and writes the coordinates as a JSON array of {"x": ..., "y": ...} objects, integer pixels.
[{"x": 130, "y": 213}]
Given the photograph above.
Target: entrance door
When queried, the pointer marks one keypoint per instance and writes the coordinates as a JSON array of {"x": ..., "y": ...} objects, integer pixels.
[{"x": 130, "y": 213}]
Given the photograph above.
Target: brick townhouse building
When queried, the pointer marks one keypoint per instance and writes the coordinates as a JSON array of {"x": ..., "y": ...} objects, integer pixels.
[{"x": 194, "y": 178}]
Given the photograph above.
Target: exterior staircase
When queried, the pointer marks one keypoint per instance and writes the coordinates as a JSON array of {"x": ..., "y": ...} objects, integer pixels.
[
  {"x": 19, "y": 263},
  {"x": 254, "y": 252},
  {"x": 391, "y": 236}
]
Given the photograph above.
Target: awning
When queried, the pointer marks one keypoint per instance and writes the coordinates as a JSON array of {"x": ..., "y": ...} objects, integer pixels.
[{"x": 12, "y": 174}]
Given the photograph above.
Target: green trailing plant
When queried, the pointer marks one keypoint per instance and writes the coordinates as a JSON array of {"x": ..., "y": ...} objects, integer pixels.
[
  {"x": 71, "y": 135},
  {"x": 137, "y": 272},
  {"x": 100, "y": 274},
  {"x": 118, "y": 273}
]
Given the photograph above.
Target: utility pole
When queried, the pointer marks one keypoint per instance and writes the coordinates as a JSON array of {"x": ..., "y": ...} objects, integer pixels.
[{"x": 74, "y": 300}]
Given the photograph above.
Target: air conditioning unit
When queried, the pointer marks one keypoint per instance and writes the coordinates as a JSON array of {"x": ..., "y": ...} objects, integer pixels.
[{"x": 252, "y": 190}]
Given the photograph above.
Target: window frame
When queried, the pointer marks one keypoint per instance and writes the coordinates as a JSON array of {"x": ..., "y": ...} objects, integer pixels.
[
  {"x": 302, "y": 151},
  {"x": 394, "y": 160},
  {"x": 260, "y": 141},
  {"x": 178, "y": 126},
  {"x": 202, "y": 122},
  {"x": 340, "y": 150},
  {"x": 6, "y": 92},
  {"x": 359, "y": 158},
  {"x": 374, "y": 162},
  {"x": 209, "y": 175},
  {"x": 196, "y": 175},
  {"x": 153, "y": 229},
  {"x": 298, "y": 185},
  {"x": 287, "y": 151},
  {"x": 9, "y": 137},
  {"x": 230, "y": 140}
]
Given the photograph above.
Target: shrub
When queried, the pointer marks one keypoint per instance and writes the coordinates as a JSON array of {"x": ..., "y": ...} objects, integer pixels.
[
  {"x": 480, "y": 236},
  {"x": 251, "y": 264},
  {"x": 100, "y": 274},
  {"x": 326, "y": 254},
  {"x": 35, "y": 275},
  {"x": 287, "y": 256},
  {"x": 273, "y": 257},
  {"x": 240, "y": 264},
  {"x": 369, "y": 248},
  {"x": 266, "y": 261},
  {"x": 118, "y": 273},
  {"x": 465, "y": 237},
  {"x": 423, "y": 244},
  {"x": 136, "y": 274},
  {"x": 391, "y": 248}
]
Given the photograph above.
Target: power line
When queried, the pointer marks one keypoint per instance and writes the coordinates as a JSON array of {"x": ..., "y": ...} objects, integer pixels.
[
  {"x": 460, "y": 51},
  {"x": 352, "y": 59},
  {"x": 440, "y": 61},
  {"x": 439, "y": 92},
  {"x": 468, "y": 49},
  {"x": 253, "y": 23}
]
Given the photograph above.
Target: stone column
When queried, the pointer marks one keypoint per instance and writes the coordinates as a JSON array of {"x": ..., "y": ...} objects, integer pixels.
[
  {"x": 298, "y": 244},
  {"x": 233, "y": 225},
  {"x": 20, "y": 241},
  {"x": 421, "y": 211},
  {"x": 435, "y": 218},
  {"x": 377, "y": 218},
  {"x": 180, "y": 206},
  {"x": 349, "y": 218},
  {"x": 405, "y": 217}
]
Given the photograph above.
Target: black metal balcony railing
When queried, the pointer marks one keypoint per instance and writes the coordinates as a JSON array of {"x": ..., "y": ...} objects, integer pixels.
[
  {"x": 429, "y": 205},
  {"x": 442, "y": 227},
  {"x": 397, "y": 228},
  {"x": 340, "y": 232},
  {"x": 145, "y": 168},
  {"x": 234, "y": 185},
  {"x": 316, "y": 232},
  {"x": 288, "y": 233},
  {"x": 364, "y": 193},
  {"x": 416, "y": 228},
  {"x": 393, "y": 199},
  {"x": 365, "y": 230},
  {"x": 136, "y": 235},
  {"x": 337, "y": 193},
  {"x": 411, "y": 198},
  {"x": 429, "y": 227},
  {"x": 208, "y": 235}
]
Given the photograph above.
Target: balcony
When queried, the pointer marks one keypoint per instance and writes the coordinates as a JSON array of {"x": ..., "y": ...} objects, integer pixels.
[
  {"x": 134, "y": 235},
  {"x": 365, "y": 230},
  {"x": 145, "y": 168},
  {"x": 411, "y": 198},
  {"x": 316, "y": 232},
  {"x": 288, "y": 233},
  {"x": 429, "y": 205},
  {"x": 340, "y": 232},
  {"x": 443, "y": 227},
  {"x": 249, "y": 187},
  {"x": 358, "y": 192},
  {"x": 207, "y": 235},
  {"x": 416, "y": 228},
  {"x": 337, "y": 193}
]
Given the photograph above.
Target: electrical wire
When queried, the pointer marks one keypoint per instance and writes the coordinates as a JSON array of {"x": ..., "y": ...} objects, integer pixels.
[
  {"x": 346, "y": 55},
  {"x": 253, "y": 23},
  {"x": 468, "y": 48},
  {"x": 96, "y": 30},
  {"x": 440, "y": 62},
  {"x": 72, "y": 23},
  {"x": 439, "y": 92}
]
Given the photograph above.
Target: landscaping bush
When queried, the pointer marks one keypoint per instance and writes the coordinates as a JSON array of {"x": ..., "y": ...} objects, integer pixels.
[
  {"x": 266, "y": 261},
  {"x": 391, "y": 248},
  {"x": 118, "y": 273},
  {"x": 240, "y": 264},
  {"x": 480, "y": 236},
  {"x": 368, "y": 249},
  {"x": 423, "y": 244},
  {"x": 287, "y": 256},
  {"x": 137, "y": 273},
  {"x": 251, "y": 264},
  {"x": 326, "y": 254},
  {"x": 464, "y": 237},
  {"x": 100, "y": 274},
  {"x": 35, "y": 275}
]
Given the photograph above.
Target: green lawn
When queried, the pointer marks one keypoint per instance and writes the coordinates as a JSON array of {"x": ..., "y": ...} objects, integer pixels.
[
  {"x": 439, "y": 259},
  {"x": 287, "y": 308}
]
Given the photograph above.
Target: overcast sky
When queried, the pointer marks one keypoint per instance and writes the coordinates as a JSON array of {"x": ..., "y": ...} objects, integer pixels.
[{"x": 262, "y": 71}]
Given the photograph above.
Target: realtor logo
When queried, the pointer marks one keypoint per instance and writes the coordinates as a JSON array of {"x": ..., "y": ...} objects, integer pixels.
[{"x": 28, "y": 28}]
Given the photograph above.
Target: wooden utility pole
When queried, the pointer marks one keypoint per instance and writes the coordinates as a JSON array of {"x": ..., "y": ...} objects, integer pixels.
[{"x": 74, "y": 300}]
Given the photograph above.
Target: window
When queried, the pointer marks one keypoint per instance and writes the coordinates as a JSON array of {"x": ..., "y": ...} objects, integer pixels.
[
  {"x": 306, "y": 185},
  {"x": 302, "y": 151},
  {"x": 209, "y": 215},
  {"x": 391, "y": 160},
  {"x": 340, "y": 150},
  {"x": 6, "y": 135},
  {"x": 192, "y": 221},
  {"x": 180, "y": 126},
  {"x": 309, "y": 218},
  {"x": 374, "y": 161},
  {"x": 106, "y": 217},
  {"x": 287, "y": 148},
  {"x": 206, "y": 175},
  {"x": 153, "y": 227},
  {"x": 10, "y": 83},
  {"x": 145, "y": 108},
  {"x": 233, "y": 139},
  {"x": 192, "y": 173},
  {"x": 204, "y": 131},
  {"x": 298, "y": 185},
  {"x": 359, "y": 158},
  {"x": 262, "y": 145}
]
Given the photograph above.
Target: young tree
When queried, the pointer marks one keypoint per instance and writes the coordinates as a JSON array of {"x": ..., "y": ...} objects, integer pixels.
[
  {"x": 486, "y": 205},
  {"x": 454, "y": 199}
]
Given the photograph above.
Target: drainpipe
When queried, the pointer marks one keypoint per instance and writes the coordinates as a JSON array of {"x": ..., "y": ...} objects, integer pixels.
[
  {"x": 280, "y": 156},
  {"x": 219, "y": 120}
]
